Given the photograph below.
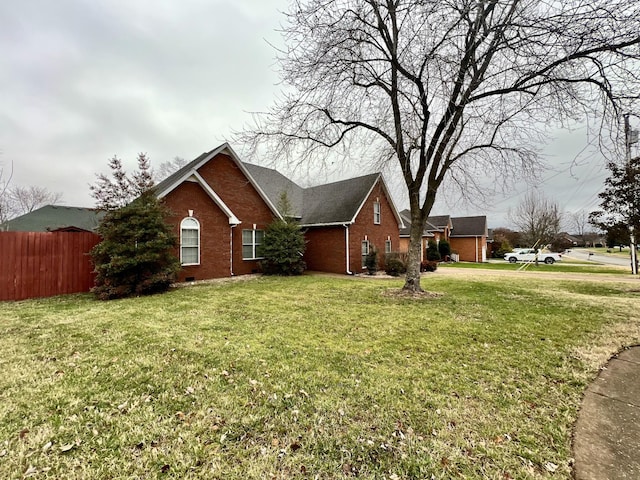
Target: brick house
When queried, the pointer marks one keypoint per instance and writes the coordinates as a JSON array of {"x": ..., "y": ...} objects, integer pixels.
[
  {"x": 467, "y": 236},
  {"x": 221, "y": 206}
]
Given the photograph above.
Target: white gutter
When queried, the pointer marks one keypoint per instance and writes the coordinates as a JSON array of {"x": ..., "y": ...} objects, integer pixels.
[{"x": 346, "y": 236}]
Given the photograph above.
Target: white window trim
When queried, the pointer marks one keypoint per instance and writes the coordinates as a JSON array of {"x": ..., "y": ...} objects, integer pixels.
[
  {"x": 182, "y": 228},
  {"x": 388, "y": 247},
  {"x": 377, "y": 212},
  {"x": 364, "y": 252},
  {"x": 253, "y": 243}
]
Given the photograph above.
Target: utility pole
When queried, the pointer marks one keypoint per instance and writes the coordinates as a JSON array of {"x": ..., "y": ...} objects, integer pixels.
[{"x": 629, "y": 138}]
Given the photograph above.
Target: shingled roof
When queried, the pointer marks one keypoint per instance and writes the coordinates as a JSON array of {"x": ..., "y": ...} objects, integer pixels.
[
  {"x": 469, "y": 226},
  {"x": 434, "y": 224},
  {"x": 329, "y": 204},
  {"x": 55, "y": 217},
  {"x": 273, "y": 183}
]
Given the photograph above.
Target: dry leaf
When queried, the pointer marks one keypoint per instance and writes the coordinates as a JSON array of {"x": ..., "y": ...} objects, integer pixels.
[{"x": 31, "y": 471}]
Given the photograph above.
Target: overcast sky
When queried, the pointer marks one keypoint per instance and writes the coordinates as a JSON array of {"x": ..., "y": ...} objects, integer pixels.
[{"x": 81, "y": 81}]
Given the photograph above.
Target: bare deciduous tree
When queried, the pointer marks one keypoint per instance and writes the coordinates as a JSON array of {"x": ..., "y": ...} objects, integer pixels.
[
  {"x": 447, "y": 89},
  {"x": 27, "y": 199},
  {"x": 5, "y": 208},
  {"x": 538, "y": 218},
  {"x": 581, "y": 226},
  {"x": 18, "y": 200},
  {"x": 170, "y": 166},
  {"x": 579, "y": 222}
]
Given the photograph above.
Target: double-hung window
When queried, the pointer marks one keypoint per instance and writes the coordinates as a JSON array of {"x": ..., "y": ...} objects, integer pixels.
[
  {"x": 365, "y": 252},
  {"x": 376, "y": 213},
  {"x": 190, "y": 241},
  {"x": 252, "y": 244},
  {"x": 387, "y": 246}
]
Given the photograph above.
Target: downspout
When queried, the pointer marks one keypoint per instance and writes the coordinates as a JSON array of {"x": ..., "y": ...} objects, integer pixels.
[
  {"x": 346, "y": 235},
  {"x": 231, "y": 247}
]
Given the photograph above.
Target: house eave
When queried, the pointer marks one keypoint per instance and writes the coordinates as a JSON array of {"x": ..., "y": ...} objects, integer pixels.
[
  {"x": 395, "y": 211},
  {"x": 328, "y": 224}
]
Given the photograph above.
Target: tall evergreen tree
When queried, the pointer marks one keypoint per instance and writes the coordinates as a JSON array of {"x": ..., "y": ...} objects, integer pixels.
[
  {"x": 137, "y": 253},
  {"x": 620, "y": 201},
  {"x": 284, "y": 244}
]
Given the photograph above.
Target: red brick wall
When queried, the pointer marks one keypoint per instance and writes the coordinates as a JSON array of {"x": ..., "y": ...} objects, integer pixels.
[
  {"x": 215, "y": 231},
  {"x": 469, "y": 248},
  {"x": 376, "y": 234},
  {"x": 325, "y": 250},
  {"x": 235, "y": 190},
  {"x": 230, "y": 184}
]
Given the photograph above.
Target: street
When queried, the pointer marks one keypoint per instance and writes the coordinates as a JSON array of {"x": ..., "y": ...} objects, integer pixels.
[{"x": 585, "y": 255}]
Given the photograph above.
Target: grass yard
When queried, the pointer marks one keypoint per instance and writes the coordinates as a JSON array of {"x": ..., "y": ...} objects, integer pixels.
[{"x": 310, "y": 377}]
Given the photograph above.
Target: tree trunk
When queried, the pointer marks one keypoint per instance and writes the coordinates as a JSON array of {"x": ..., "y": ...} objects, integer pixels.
[{"x": 412, "y": 279}]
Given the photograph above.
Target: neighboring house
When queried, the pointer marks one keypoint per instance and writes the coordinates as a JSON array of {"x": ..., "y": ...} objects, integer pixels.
[
  {"x": 467, "y": 236},
  {"x": 55, "y": 218},
  {"x": 573, "y": 240},
  {"x": 437, "y": 228},
  {"x": 221, "y": 207}
]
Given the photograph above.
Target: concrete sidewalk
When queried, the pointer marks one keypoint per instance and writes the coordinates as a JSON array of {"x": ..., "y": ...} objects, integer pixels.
[{"x": 606, "y": 439}]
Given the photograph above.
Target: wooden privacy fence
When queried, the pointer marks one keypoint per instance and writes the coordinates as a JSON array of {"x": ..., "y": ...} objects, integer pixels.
[{"x": 42, "y": 264}]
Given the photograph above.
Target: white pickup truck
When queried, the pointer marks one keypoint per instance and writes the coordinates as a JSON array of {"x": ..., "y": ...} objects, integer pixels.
[{"x": 529, "y": 255}]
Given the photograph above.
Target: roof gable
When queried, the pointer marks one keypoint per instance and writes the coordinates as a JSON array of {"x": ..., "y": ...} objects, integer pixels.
[
  {"x": 189, "y": 172},
  {"x": 429, "y": 227},
  {"x": 329, "y": 204},
  {"x": 337, "y": 202}
]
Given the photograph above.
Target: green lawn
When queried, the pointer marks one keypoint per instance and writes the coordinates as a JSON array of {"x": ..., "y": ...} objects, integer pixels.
[{"x": 310, "y": 377}]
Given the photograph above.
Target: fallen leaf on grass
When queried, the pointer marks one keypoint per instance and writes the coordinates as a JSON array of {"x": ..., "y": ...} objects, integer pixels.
[
  {"x": 47, "y": 446},
  {"x": 67, "y": 447},
  {"x": 550, "y": 467},
  {"x": 23, "y": 433},
  {"x": 31, "y": 471}
]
